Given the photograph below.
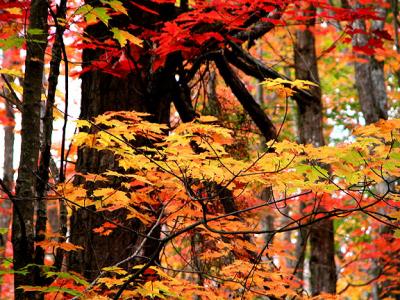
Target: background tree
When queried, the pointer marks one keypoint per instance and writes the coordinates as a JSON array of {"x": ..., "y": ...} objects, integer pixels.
[{"x": 310, "y": 120}]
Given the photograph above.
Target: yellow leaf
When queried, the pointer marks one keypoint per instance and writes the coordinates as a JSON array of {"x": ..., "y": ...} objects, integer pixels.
[
  {"x": 110, "y": 282},
  {"x": 82, "y": 123},
  {"x": 65, "y": 246},
  {"x": 11, "y": 72},
  {"x": 286, "y": 86},
  {"x": 57, "y": 114},
  {"x": 117, "y": 6},
  {"x": 116, "y": 270},
  {"x": 207, "y": 119},
  {"x": 123, "y": 37}
]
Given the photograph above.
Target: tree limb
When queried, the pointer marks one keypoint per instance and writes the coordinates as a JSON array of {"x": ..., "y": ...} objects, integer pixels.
[
  {"x": 238, "y": 88},
  {"x": 14, "y": 100},
  {"x": 255, "y": 68}
]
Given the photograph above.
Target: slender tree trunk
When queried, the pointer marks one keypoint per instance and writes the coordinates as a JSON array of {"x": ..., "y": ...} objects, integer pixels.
[
  {"x": 370, "y": 83},
  {"x": 9, "y": 135},
  {"x": 8, "y": 176},
  {"x": 322, "y": 260},
  {"x": 23, "y": 211},
  {"x": 267, "y": 192},
  {"x": 45, "y": 151},
  {"x": 212, "y": 107},
  {"x": 395, "y": 11},
  {"x": 370, "y": 79}
]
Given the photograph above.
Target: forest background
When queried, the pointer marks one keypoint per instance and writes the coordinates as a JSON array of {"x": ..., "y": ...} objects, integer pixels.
[{"x": 223, "y": 149}]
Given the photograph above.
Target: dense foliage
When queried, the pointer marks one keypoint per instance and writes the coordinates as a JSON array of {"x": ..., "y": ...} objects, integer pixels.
[{"x": 224, "y": 149}]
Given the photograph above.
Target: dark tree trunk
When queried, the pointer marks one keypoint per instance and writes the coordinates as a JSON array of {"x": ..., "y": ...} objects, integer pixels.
[
  {"x": 100, "y": 93},
  {"x": 310, "y": 118},
  {"x": 43, "y": 173},
  {"x": 23, "y": 211},
  {"x": 143, "y": 91}
]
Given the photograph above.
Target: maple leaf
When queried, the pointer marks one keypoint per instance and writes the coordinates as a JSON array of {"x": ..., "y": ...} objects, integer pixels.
[
  {"x": 116, "y": 270},
  {"x": 123, "y": 37},
  {"x": 63, "y": 245},
  {"x": 116, "y": 6},
  {"x": 111, "y": 282}
]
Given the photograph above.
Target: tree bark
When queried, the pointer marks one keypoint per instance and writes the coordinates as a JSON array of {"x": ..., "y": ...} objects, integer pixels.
[
  {"x": 372, "y": 96},
  {"x": 8, "y": 177},
  {"x": 310, "y": 118},
  {"x": 9, "y": 136},
  {"x": 142, "y": 90},
  {"x": 100, "y": 93},
  {"x": 370, "y": 79},
  {"x": 23, "y": 211},
  {"x": 45, "y": 151}
]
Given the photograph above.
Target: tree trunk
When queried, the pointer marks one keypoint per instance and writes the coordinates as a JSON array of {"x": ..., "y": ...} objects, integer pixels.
[
  {"x": 370, "y": 79},
  {"x": 143, "y": 91},
  {"x": 100, "y": 93},
  {"x": 43, "y": 172},
  {"x": 23, "y": 211},
  {"x": 372, "y": 96},
  {"x": 8, "y": 178},
  {"x": 310, "y": 117},
  {"x": 9, "y": 135}
]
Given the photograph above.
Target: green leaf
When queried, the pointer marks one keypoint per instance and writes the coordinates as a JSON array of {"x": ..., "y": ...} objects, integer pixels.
[
  {"x": 21, "y": 272},
  {"x": 102, "y": 14},
  {"x": 84, "y": 9},
  {"x": 123, "y": 37},
  {"x": 35, "y": 31},
  {"x": 11, "y": 42},
  {"x": 116, "y": 6}
]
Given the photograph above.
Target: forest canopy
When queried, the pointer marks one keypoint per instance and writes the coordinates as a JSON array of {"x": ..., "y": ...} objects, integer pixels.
[{"x": 202, "y": 149}]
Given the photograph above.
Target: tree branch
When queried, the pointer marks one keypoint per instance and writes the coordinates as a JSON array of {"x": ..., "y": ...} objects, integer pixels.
[
  {"x": 256, "y": 68},
  {"x": 14, "y": 100},
  {"x": 260, "y": 27},
  {"x": 181, "y": 96},
  {"x": 238, "y": 88}
]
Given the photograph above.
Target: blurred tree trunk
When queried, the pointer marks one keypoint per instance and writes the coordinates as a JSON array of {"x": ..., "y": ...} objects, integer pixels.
[
  {"x": 24, "y": 200},
  {"x": 396, "y": 23},
  {"x": 9, "y": 136},
  {"x": 8, "y": 176},
  {"x": 310, "y": 118},
  {"x": 369, "y": 74},
  {"x": 372, "y": 96}
]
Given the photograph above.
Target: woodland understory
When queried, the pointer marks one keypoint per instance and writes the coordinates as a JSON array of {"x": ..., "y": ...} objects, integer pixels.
[{"x": 200, "y": 149}]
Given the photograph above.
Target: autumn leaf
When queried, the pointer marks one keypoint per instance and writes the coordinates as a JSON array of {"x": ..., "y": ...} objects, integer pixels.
[
  {"x": 123, "y": 37},
  {"x": 63, "y": 245}
]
